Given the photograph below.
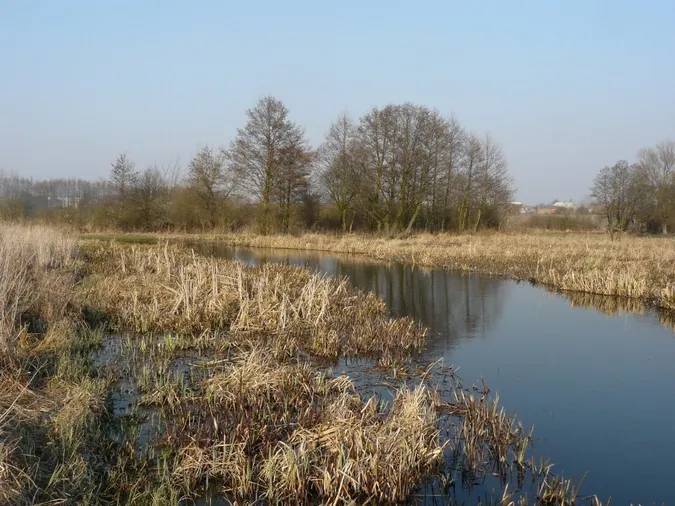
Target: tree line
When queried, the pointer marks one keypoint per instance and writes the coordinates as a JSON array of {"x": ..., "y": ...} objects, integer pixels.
[
  {"x": 638, "y": 197},
  {"x": 397, "y": 168}
]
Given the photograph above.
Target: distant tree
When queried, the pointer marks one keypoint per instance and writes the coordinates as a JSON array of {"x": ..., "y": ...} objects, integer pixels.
[
  {"x": 445, "y": 176},
  {"x": 617, "y": 194},
  {"x": 291, "y": 183},
  {"x": 211, "y": 182},
  {"x": 657, "y": 167},
  {"x": 341, "y": 163},
  {"x": 494, "y": 184},
  {"x": 468, "y": 178},
  {"x": 256, "y": 153},
  {"x": 149, "y": 197},
  {"x": 123, "y": 175}
]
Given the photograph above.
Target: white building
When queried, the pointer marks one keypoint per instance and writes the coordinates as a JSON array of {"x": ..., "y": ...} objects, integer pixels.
[{"x": 565, "y": 205}]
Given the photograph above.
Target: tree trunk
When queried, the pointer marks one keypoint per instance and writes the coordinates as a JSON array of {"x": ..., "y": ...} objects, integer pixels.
[
  {"x": 413, "y": 218},
  {"x": 478, "y": 217}
]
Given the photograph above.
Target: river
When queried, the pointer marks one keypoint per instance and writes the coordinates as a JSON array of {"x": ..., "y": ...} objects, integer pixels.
[{"x": 599, "y": 389}]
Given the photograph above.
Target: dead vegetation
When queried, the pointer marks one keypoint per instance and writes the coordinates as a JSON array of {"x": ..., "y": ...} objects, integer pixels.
[
  {"x": 287, "y": 433},
  {"x": 162, "y": 288},
  {"x": 633, "y": 267},
  {"x": 256, "y": 419},
  {"x": 51, "y": 437}
]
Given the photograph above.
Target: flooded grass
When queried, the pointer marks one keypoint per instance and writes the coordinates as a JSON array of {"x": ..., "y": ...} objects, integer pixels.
[
  {"x": 635, "y": 267},
  {"x": 212, "y": 379}
]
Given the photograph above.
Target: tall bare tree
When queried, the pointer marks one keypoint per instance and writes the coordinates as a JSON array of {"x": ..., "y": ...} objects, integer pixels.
[
  {"x": 468, "y": 180},
  {"x": 123, "y": 175},
  {"x": 444, "y": 176},
  {"x": 657, "y": 166},
  {"x": 149, "y": 197},
  {"x": 341, "y": 164},
  {"x": 256, "y": 152},
  {"x": 494, "y": 184},
  {"x": 616, "y": 191},
  {"x": 211, "y": 181},
  {"x": 291, "y": 184}
]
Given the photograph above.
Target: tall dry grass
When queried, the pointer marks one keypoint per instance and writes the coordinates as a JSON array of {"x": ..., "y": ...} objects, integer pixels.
[
  {"x": 285, "y": 433},
  {"x": 51, "y": 433},
  {"x": 163, "y": 288},
  {"x": 636, "y": 267},
  {"x": 34, "y": 277}
]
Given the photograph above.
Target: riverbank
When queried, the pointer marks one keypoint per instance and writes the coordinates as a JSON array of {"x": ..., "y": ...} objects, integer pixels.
[
  {"x": 145, "y": 374},
  {"x": 633, "y": 267}
]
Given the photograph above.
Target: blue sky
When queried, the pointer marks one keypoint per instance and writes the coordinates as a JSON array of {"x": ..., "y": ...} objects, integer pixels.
[{"x": 566, "y": 87}]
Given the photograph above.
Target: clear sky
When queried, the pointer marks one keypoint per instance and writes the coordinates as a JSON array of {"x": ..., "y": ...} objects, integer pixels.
[{"x": 566, "y": 87}]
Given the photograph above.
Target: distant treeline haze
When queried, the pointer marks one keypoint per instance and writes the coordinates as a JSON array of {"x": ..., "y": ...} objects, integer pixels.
[{"x": 397, "y": 168}]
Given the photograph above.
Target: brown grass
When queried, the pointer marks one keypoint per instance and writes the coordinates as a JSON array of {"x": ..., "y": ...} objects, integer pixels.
[
  {"x": 640, "y": 268},
  {"x": 50, "y": 408},
  {"x": 35, "y": 277},
  {"x": 286, "y": 433},
  {"x": 263, "y": 424},
  {"x": 161, "y": 288}
]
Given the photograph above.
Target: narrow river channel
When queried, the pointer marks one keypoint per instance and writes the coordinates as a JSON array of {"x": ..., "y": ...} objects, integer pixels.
[{"x": 599, "y": 389}]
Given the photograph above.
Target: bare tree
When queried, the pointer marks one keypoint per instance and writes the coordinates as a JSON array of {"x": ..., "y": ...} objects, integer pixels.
[
  {"x": 657, "y": 166},
  {"x": 123, "y": 175},
  {"x": 256, "y": 152},
  {"x": 149, "y": 197},
  {"x": 341, "y": 165},
  {"x": 291, "y": 184},
  {"x": 444, "y": 176},
  {"x": 616, "y": 191},
  {"x": 468, "y": 179},
  {"x": 494, "y": 184},
  {"x": 211, "y": 181}
]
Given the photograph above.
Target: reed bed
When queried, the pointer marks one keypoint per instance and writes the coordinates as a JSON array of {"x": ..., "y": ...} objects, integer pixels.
[
  {"x": 256, "y": 419},
  {"x": 163, "y": 288},
  {"x": 52, "y": 441},
  {"x": 36, "y": 279},
  {"x": 287, "y": 433},
  {"x": 636, "y": 267}
]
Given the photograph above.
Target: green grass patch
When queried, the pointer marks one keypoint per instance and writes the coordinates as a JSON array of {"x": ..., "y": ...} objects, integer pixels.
[{"x": 122, "y": 238}]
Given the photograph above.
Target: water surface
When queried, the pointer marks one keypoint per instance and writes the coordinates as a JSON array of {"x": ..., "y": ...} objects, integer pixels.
[{"x": 599, "y": 389}]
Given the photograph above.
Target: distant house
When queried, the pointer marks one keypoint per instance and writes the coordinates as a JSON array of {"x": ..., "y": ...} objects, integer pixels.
[
  {"x": 520, "y": 208},
  {"x": 549, "y": 210},
  {"x": 569, "y": 205}
]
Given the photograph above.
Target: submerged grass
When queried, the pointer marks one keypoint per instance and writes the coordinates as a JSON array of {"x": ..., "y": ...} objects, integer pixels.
[{"x": 636, "y": 267}]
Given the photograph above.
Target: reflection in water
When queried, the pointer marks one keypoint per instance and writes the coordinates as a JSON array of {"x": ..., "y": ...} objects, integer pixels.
[
  {"x": 617, "y": 306},
  {"x": 452, "y": 306},
  {"x": 576, "y": 374}
]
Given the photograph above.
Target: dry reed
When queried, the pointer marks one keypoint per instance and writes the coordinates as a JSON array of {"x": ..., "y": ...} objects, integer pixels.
[
  {"x": 286, "y": 433},
  {"x": 162, "y": 288},
  {"x": 640, "y": 268}
]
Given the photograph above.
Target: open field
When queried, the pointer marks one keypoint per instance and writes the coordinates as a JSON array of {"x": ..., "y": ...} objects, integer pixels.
[
  {"x": 145, "y": 374},
  {"x": 633, "y": 267}
]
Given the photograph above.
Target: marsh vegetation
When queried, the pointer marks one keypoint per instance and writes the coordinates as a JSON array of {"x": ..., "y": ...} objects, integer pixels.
[
  {"x": 641, "y": 268},
  {"x": 148, "y": 374}
]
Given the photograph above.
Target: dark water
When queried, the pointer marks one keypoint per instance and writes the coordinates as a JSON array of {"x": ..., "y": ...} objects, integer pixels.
[{"x": 599, "y": 389}]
